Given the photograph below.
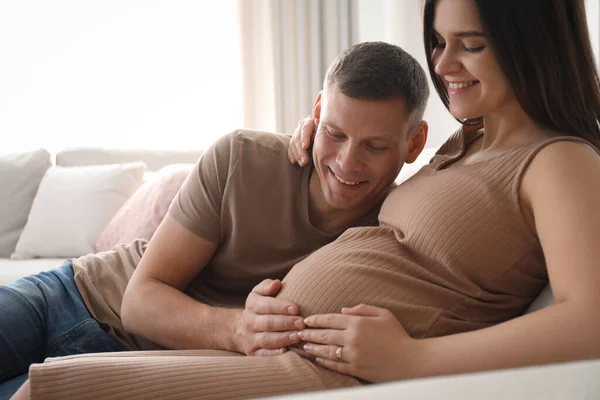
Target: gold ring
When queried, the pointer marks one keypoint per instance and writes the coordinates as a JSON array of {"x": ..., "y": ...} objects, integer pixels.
[{"x": 338, "y": 352}]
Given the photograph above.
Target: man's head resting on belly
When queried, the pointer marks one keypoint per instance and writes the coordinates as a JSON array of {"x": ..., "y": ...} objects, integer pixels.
[{"x": 369, "y": 123}]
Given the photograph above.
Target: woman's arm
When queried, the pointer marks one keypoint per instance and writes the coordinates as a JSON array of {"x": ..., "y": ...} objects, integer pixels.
[{"x": 561, "y": 189}]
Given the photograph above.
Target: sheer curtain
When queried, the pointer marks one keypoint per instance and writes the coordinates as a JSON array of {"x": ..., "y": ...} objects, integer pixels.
[
  {"x": 286, "y": 49},
  {"x": 135, "y": 73},
  {"x": 288, "y": 45}
]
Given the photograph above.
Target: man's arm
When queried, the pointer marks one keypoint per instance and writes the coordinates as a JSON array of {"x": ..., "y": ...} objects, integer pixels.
[{"x": 155, "y": 307}]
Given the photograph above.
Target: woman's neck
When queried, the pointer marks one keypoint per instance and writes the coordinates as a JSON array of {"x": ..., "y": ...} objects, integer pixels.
[{"x": 510, "y": 128}]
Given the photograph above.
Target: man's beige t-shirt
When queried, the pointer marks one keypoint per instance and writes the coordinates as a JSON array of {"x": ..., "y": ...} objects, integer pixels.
[{"x": 243, "y": 195}]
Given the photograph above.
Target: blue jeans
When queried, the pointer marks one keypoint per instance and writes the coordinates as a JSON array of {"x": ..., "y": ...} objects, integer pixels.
[{"x": 44, "y": 316}]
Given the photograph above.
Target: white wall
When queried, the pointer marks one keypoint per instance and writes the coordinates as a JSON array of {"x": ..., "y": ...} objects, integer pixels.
[{"x": 129, "y": 73}]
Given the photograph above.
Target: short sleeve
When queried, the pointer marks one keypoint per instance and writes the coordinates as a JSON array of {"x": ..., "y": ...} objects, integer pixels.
[{"x": 197, "y": 205}]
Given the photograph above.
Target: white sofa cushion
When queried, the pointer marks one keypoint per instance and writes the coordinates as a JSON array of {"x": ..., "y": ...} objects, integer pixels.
[
  {"x": 572, "y": 380},
  {"x": 72, "y": 207},
  {"x": 11, "y": 270},
  {"x": 20, "y": 176}
]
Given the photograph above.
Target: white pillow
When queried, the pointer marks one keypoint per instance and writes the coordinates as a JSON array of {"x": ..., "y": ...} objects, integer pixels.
[
  {"x": 20, "y": 176},
  {"x": 73, "y": 206}
]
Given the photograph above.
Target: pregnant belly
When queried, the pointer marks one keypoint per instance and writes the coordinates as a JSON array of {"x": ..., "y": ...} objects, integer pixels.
[{"x": 365, "y": 265}]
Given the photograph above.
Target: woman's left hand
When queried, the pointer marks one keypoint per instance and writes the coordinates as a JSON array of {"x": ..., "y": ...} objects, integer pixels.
[{"x": 364, "y": 341}]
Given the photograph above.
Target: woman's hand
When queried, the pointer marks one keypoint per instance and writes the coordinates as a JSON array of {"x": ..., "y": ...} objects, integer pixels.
[
  {"x": 303, "y": 134},
  {"x": 364, "y": 341}
]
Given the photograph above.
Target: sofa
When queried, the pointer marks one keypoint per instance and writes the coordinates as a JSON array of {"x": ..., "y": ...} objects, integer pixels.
[
  {"x": 82, "y": 200},
  {"x": 56, "y": 207}
]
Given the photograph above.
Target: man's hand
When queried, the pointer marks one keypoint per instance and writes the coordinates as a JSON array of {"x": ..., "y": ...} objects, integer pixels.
[{"x": 267, "y": 325}]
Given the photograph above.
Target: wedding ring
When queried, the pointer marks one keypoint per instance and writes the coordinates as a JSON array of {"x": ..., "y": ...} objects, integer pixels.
[{"x": 338, "y": 352}]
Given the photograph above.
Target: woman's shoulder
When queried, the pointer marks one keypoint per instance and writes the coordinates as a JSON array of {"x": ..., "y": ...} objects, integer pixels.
[
  {"x": 562, "y": 164},
  {"x": 562, "y": 151}
]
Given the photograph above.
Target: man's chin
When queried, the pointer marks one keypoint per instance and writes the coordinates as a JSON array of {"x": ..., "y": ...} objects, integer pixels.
[{"x": 348, "y": 205}]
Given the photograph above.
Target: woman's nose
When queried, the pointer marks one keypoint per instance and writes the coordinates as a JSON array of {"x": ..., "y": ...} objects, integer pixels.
[{"x": 446, "y": 63}]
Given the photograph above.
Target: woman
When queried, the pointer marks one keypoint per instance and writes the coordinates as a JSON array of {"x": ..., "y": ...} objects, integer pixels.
[{"x": 508, "y": 203}]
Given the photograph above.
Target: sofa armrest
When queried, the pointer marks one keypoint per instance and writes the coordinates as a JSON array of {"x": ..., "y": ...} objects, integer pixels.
[{"x": 574, "y": 380}]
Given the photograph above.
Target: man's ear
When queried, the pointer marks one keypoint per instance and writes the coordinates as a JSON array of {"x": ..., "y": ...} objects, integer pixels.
[
  {"x": 316, "y": 112},
  {"x": 417, "y": 142}
]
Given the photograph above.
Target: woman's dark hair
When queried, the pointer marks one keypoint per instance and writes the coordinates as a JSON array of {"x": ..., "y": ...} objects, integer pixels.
[{"x": 544, "y": 49}]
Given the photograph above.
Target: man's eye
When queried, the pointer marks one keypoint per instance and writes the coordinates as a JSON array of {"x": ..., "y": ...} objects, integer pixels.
[
  {"x": 336, "y": 136},
  {"x": 378, "y": 148}
]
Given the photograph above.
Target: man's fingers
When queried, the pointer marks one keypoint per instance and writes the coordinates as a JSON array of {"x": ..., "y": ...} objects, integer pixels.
[
  {"x": 269, "y": 305},
  {"x": 268, "y": 287},
  {"x": 276, "y": 340},
  {"x": 277, "y": 323},
  {"x": 269, "y": 352}
]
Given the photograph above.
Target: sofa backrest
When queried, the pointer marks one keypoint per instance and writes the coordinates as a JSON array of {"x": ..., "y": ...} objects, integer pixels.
[{"x": 154, "y": 159}]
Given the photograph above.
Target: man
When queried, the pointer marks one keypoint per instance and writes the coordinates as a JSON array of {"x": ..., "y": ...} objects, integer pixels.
[{"x": 243, "y": 215}]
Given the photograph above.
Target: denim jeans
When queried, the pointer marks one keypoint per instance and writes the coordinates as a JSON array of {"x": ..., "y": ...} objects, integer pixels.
[{"x": 44, "y": 316}]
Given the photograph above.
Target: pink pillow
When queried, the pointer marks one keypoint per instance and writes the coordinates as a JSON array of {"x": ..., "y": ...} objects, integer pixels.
[{"x": 142, "y": 213}]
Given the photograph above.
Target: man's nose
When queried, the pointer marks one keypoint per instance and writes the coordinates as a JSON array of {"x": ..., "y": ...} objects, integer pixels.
[{"x": 349, "y": 158}]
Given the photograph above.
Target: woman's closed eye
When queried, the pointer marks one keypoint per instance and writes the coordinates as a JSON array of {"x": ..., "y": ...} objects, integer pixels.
[
  {"x": 476, "y": 49},
  {"x": 471, "y": 49}
]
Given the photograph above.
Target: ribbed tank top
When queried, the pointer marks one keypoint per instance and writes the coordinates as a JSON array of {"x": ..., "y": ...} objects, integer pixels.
[{"x": 453, "y": 252}]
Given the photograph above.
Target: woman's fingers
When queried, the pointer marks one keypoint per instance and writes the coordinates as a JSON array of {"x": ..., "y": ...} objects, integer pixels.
[
  {"x": 330, "y": 352},
  {"x": 329, "y": 321},
  {"x": 295, "y": 146},
  {"x": 307, "y": 131},
  {"x": 323, "y": 336},
  {"x": 338, "y": 366},
  {"x": 300, "y": 142}
]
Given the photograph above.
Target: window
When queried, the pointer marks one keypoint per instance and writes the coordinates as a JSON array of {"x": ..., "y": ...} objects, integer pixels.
[{"x": 153, "y": 74}]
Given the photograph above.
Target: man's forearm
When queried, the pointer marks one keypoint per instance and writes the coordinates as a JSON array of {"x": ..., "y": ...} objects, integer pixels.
[{"x": 168, "y": 317}]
